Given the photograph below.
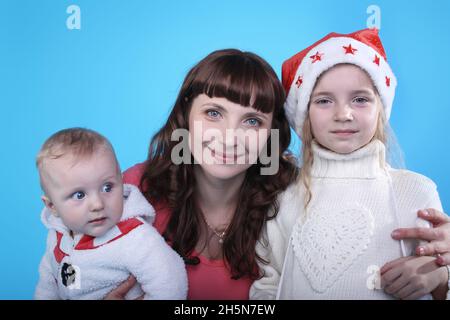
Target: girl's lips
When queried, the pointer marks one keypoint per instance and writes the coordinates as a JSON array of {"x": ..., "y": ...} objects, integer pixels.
[{"x": 344, "y": 132}]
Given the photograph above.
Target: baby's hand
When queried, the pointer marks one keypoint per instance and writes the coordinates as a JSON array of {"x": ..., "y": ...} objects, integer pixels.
[
  {"x": 410, "y": 278},
  {"x": 121, "y": 291}
]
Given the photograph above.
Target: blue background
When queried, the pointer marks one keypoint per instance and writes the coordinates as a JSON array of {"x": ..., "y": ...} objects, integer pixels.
[{"x": 121, "y": 73}]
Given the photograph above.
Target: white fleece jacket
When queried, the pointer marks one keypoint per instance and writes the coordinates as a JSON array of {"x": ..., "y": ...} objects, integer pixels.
[
  {"x": 100, "y": 264},
  {"x": 335, "y": 250}
]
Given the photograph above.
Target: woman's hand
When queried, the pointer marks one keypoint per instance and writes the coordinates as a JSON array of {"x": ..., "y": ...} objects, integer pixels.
[
  {"x": 121, "y": 291},
  {"x": 438, "y": 236},
  {"x": 410, "y": 278}
]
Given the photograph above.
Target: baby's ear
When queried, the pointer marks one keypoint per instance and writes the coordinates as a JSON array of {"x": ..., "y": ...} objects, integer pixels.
[{"x": 49, "y": 204}]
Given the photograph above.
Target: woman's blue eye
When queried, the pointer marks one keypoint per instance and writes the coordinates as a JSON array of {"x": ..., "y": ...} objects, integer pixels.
[
  {"x": 253, "y": 122},
  {"x": 213, "y": 113},
  {"x": 107, "y": 187},
  {"x": 79, "y": 195}
]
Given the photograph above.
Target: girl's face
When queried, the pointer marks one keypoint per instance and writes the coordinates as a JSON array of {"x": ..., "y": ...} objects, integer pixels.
[
  {"x": 226, "y": 138},
  {"x": 344, "y": 109}
]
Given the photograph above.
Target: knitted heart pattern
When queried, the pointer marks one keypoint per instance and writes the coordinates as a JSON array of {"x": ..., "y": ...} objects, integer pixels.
[{"x": 330, "y": 241}]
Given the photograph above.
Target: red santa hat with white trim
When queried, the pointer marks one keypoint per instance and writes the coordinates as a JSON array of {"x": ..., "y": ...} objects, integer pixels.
[{"x": 362, "y": 48}]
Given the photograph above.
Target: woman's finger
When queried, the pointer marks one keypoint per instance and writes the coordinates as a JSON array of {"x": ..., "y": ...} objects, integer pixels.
[
  {"x": 120, "y": 292},
  {"x": 427, "y": 234},
  {"x": 434, "y": 216},
  {"x": 443, "y": 259},
  {"x": 433, "y": 248}
]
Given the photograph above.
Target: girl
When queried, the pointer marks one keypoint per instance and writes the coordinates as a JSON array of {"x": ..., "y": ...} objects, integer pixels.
[{"x": 340, "y": 213}]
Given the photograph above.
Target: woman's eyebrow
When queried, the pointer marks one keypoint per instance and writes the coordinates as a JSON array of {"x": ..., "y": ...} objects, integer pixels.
[
  {"x": 245, "y": 115},
  {"x": 215, "y": 105},
  {"x": 256, "y": 114}
]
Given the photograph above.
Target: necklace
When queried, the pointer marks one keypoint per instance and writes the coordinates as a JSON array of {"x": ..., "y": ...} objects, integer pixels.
[{"x": 220, "y": 235}]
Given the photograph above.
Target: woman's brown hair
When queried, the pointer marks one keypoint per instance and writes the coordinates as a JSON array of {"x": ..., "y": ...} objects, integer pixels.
[{"x": 246, "y": 79}]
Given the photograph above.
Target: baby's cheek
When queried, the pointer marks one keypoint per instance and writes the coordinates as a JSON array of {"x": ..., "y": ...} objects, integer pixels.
[{"x": 116, "y": 207}]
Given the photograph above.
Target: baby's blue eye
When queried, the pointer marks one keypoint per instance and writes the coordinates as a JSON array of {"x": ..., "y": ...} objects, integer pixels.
[
  {"x": 107, "y": 187},
  {"x": 79, "y": 195}
]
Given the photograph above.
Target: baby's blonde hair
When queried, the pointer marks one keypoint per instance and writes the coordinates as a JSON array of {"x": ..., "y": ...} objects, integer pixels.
[{"x": 78, "y": 142}]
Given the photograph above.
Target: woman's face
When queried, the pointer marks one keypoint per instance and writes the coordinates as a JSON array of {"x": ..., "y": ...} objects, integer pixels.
[
  {"x": 226, "y": 138},
  {"x": 344, "y": 109}
]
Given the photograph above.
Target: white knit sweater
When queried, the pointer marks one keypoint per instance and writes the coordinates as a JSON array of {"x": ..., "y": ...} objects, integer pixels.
[{"x": 335, "y": 249}]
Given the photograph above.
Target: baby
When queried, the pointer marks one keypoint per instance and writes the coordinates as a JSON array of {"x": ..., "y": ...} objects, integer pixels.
[{"x": 99, "y": 229}]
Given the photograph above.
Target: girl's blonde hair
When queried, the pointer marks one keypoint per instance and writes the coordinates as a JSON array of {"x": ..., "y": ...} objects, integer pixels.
[{"x": 383, "y": 132}]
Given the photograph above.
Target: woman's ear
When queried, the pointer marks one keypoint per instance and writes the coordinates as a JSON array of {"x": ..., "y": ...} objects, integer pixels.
[{"x": 49, "y": 204}]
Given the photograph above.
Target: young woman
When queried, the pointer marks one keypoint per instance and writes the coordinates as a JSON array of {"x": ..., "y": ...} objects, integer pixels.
[{"x": 212, "y": 212}]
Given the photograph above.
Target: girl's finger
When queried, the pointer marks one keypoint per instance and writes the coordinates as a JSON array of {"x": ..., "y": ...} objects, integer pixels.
[
  {"x": 396, "y": 285},
  {"x": 415, "y": 295},
  {"x": 390, "y": 276},
  {"x": 406, "y": 291},
  {"x": 393, "y": 264}
]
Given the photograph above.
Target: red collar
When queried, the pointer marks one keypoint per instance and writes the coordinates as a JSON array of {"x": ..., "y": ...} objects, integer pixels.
[{"x": 87, "y": 242}]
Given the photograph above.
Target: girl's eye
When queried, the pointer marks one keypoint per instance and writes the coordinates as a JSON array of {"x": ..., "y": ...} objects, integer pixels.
[
  {"x": 323, "y": 101},
  {"x": 107, "y": 187},
  {"x": 360, "y": 100},
  {"x": 213, "y": 114},
  {"x": 254, "y": 122},
  {"x": 79, "y": 195}
]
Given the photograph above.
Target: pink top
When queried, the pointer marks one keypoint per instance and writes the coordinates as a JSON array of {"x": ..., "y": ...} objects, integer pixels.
[{"x": 210, "y": 279}]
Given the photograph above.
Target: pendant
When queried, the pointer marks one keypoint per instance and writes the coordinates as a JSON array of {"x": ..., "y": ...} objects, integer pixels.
[{"x": 220, "y": 240}]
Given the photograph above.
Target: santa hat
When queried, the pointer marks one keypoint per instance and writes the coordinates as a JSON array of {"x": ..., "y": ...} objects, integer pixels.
[{"x": 362, "y": 48}]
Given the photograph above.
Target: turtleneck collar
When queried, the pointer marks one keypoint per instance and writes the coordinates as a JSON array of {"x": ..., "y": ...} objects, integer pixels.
[{"x": 365, "y": 163}]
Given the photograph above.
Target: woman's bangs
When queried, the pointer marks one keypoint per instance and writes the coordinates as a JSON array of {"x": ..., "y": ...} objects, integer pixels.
[{"x": 240, "y": 81}]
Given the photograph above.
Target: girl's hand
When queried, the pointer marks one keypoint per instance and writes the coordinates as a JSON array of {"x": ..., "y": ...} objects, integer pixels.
[
  {"x": 410, "y": 278},
  {"x": 121, "y": 291},
  {"x": 439, "y": 235}
]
